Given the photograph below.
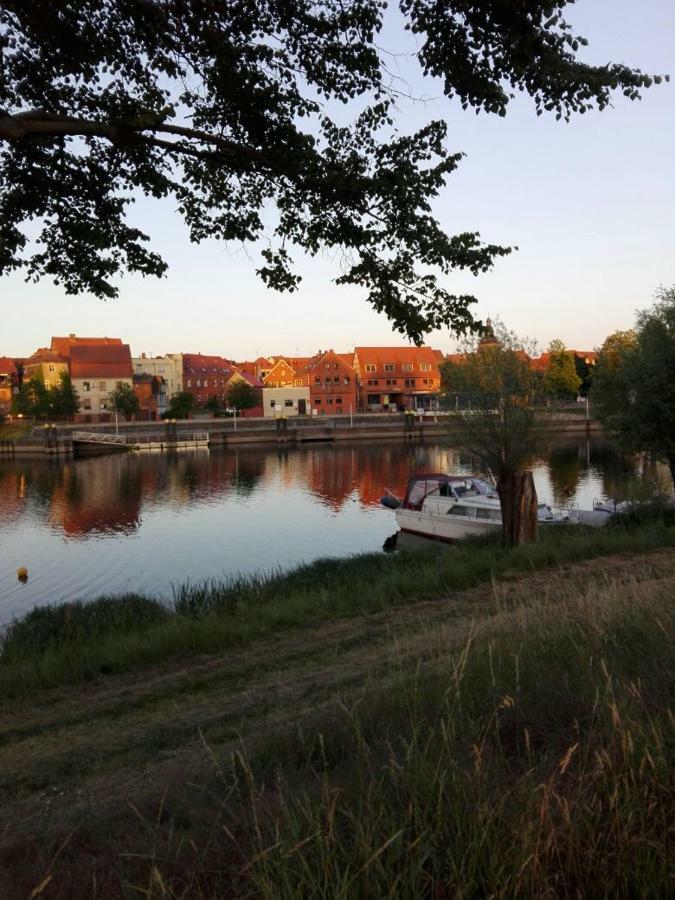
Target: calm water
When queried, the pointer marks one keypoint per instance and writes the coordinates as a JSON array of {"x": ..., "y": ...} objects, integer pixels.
[{"x": 148, "y": 521}]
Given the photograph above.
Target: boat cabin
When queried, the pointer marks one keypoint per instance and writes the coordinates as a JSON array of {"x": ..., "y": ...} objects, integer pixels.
[{"x": 452, "y": 487}]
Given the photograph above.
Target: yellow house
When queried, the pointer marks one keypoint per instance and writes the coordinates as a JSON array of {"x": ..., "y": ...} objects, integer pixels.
[{"x": 47, "y": 365}]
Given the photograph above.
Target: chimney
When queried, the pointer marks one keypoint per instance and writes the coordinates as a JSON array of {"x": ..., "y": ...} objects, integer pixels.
[{"x": 71, "y": 337}]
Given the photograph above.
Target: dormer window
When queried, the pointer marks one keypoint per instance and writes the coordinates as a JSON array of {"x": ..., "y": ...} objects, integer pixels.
[{"x": 389, "y": 367}]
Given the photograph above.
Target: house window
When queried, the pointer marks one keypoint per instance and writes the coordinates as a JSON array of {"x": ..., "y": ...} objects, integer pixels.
[
  {"x": 425, "y": 367},
  {"x": 86, "y": 387},
  {"x": 338, "y": 400},
  {"x": 52, "y": 368},
  {"x": 389, "y": 382},
  {"x": 199, "y": 398},
  {"x": 103, "y": 404},
  {"x": 389, "y": 367},
  {"x": 288, "y": 403},
  {"x": 373, "y": 399},
  {"x": 86, "y": 404},
  {"x": 317, "y": 380},
  {"x": 370, "y": 367},
  {"x": 103, "y": 386},
  {"x": 329, "y": 401},
  {"x": 189, "y": 382},
  {"x": 273, "y": 403},
  {"x": 336, "y": 379},
  {"x": 346, "y": 379},
  {"x": 317, "y": 401},
  {"x": 328, "y": 365},
  {"x": 407, "y": 367},
  {"x": 161, "y": 370}
]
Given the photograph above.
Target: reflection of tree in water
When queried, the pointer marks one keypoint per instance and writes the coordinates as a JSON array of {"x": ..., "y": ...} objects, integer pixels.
[{"x": 566, "y": 463}]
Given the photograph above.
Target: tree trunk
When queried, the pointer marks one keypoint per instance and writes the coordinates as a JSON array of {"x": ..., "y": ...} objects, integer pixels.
[
  {"x": 518, "y": 499},
  {"x": 671, "y": 464}
]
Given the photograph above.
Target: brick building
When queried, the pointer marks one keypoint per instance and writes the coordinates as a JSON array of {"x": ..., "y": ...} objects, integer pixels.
[
  {"x": 391, "y": 378},
  {"x": 331, "y": 381},
  {"x": 206, "y": 377}
]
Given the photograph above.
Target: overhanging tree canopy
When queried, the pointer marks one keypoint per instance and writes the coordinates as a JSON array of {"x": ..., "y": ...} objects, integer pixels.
[{"x": 223, "y": 106}]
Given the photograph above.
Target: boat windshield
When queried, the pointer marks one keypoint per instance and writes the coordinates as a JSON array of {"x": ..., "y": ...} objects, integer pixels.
[{"x": 422, "y": 486}]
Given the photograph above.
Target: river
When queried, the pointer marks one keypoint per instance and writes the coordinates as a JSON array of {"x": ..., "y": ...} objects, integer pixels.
[{"x": 145, "y": 522}]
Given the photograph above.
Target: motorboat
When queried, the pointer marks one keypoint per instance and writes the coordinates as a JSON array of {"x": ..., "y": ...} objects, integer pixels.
[{"x": 451, "y": 507}]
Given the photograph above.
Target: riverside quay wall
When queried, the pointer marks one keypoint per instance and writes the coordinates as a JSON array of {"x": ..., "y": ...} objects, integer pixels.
[{"x": 58, "y": 439}]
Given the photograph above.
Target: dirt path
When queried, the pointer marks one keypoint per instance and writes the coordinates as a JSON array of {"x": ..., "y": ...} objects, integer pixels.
[{"x": 89, "y": 751}]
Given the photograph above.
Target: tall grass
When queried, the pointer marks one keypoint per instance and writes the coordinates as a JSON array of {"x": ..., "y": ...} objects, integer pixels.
[
  {"x": 75, "y": 642},
  {"x": 538, "y": 764}
]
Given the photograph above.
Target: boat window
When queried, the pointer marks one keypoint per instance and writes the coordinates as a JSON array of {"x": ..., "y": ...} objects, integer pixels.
[
  {"x": 460, "y": 490},
  {"x": 493, "y": 514},
  {"x": 459, "y": 510}
]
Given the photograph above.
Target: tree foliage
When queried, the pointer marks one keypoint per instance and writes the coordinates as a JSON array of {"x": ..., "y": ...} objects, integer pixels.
[
  {"x": 181, "y": 405},
  {"x": 560, "y": 377},
  {"x": 227, "y": 109},
  {"x": 123, "y": 400},
  {"x": 634, "y": 385},
  {"x": 241, "y": 395},
  {"x": 64, "y": 400},
  {"x": 38, "y": 401}
]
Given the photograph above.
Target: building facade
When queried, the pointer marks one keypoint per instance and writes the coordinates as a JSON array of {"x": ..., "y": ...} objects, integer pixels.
[
  {"x": 206, "y": 377},
  {"x": 96, "y": 370},
  {"x": 9, "y": 384},
  {"x": 332, "y": 383},
  {"x": 283, "y": 402},
  {"x": 397, "y": 378},
  {"x": 168, "y": 367}
]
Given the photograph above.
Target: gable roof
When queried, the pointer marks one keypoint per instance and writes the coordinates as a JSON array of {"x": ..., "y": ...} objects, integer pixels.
[
  {"x": 100, "y": 361},
  {"x": 196, "y": 364},
  {"x": 62, "y": 345},
  {"x": 397, "y": 355}
]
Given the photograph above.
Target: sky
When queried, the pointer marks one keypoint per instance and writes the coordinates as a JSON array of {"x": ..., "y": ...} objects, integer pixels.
[{"x": 590, "y": 206}]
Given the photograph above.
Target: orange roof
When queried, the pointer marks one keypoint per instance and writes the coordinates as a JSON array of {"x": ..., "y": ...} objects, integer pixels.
[
  {"x": 7, "y": 366},
  {"x": 100, "y": 361},
  {"x": 380, "y": 355},
  {"x": 62, "y": 345}
]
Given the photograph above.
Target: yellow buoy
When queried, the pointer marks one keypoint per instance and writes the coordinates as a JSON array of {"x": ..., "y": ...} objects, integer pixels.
[{"x": 22, "y": 574}]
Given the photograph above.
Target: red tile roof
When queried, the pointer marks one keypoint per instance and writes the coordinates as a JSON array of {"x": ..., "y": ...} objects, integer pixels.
[
  {"x": 100, "y": 361},
  {"x": 196, "y": 364},
  {"x": 7, "y": 366},
  {"x": 380, "y": 355},
  {"x": 62, "y": 345}
]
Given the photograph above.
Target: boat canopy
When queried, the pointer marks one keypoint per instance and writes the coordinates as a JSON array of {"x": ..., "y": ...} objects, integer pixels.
[{"x": 438, "y": 484}]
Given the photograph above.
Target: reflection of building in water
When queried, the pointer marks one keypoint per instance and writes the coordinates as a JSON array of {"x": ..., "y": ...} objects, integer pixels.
[
  {"x": 89, "y": 497},
  {"x": 330, "y": 473},
  {"x": 12, "y": 494}
]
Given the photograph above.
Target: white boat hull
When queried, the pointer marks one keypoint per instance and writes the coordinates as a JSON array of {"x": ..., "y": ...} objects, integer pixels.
[{"x": 442, "y": 528}]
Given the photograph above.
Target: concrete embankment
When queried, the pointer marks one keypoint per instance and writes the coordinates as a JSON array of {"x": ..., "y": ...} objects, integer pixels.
[{"x": 58, "y": 440}]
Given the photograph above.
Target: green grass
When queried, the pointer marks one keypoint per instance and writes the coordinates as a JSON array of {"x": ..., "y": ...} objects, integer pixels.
[
  {"x": 77, "y": 642},
  {"x": 537, "y": 764}
]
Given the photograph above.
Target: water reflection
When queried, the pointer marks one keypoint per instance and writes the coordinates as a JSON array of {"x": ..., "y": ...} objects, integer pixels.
[{"x": 145, "y": 521}]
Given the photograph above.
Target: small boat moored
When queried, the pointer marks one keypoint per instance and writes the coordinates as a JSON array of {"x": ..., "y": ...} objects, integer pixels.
[{"x": 451, "y": 507}]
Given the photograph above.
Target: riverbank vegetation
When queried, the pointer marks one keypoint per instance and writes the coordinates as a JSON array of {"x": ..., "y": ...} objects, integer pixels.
[
  {"x": 79, "y": 641},
  {"x": 511, "y": 740}
]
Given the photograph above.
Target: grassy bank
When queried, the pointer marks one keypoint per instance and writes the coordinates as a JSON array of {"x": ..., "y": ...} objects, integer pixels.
[
  {"x": 536, "y": 764},
  {"x": 78, "y": 642},
  {"x": 514, "y": 742}
]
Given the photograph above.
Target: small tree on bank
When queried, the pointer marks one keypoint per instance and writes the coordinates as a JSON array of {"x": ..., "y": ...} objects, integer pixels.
[
  {"x": 560, "y": 378},
  {"x": 182, "y": 404},
  {"x": 241, "y": 395},
  {"x": 496, "y": 416},
  {"x": 63, "y": 397},
  {"x": 124, "y": 401},
  {"x": 634, "y": 384}
]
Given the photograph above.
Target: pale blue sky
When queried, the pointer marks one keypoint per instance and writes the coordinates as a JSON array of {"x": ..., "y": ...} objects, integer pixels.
[{"x": 590, "y": 204}]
